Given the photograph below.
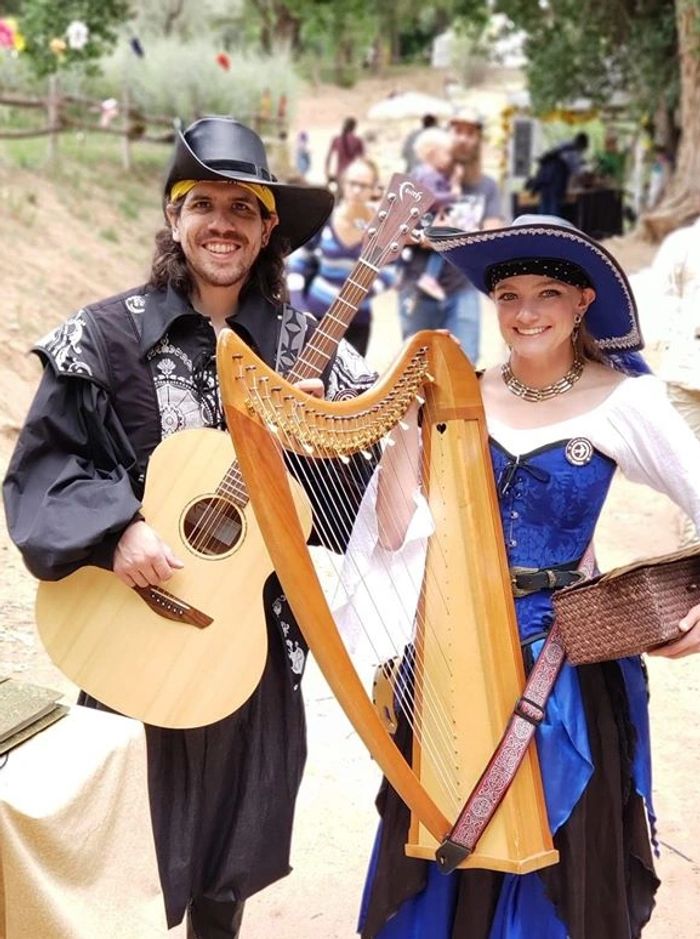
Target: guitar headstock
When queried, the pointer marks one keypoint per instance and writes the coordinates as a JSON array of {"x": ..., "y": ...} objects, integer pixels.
[{"x": 396, "y": 220}]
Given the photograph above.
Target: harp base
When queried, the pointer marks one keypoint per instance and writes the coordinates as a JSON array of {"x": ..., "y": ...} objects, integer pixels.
[{"x": 480, "y": 860}]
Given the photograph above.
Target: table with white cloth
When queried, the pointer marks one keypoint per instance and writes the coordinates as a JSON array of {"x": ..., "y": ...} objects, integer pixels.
[{"x": 77, "y": 859}]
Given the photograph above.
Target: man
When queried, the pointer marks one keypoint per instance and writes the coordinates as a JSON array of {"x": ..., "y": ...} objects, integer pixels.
[
  {"x": 557, "y": 168},
  {"x": 119, "y": 376},
  {"x": 455, "y": 305}
]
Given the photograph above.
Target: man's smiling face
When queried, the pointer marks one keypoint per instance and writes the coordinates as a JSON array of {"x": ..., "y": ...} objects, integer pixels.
[{"x": 221, "y": 230}]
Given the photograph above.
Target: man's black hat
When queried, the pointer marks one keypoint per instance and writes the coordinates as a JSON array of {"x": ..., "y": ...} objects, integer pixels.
[{"x": 220, "y": 149}]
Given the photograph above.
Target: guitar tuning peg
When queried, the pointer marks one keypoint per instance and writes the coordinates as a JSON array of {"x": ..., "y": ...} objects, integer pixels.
[
  {"x": 371, "y": 231},
  {"x": 382, "y": 215}
]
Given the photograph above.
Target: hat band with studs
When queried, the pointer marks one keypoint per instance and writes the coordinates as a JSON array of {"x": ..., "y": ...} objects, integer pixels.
[{"x": 558, "y": 269}]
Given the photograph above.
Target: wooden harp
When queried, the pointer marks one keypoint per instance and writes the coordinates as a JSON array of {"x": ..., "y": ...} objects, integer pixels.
[{"x": 465, "y": 651}]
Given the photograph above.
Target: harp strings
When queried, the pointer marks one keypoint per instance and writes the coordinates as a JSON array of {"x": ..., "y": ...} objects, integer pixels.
[{"x": 331, "y": 479}]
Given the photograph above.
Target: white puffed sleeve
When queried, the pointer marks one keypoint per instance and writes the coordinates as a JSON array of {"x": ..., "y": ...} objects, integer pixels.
[
  {"x": 652, "y": 444},
  {"x": 381, "y": 586}
]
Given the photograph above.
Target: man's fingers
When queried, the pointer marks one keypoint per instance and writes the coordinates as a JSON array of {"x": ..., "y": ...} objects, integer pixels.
[
  {"x": 175, "y": 563},
  {"x": 162, "y": 569},
  {"x": 139, "y": 579}
]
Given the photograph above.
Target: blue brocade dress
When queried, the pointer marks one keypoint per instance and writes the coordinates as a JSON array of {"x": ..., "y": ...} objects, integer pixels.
[{"x": 593, "y": 748}]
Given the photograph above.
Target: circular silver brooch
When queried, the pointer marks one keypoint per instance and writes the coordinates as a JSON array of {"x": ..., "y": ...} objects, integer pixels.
[{"x": 579, "y": 451}]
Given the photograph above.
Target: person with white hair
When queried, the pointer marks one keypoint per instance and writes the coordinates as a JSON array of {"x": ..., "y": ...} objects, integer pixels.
[{"x": 433, "y": 295}]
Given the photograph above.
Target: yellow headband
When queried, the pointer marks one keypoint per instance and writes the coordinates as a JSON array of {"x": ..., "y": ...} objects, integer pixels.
[{"x": 262, "y": 193}]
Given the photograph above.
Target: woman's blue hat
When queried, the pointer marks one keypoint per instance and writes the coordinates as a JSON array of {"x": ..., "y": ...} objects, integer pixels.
[{"x": 611, "y": 319}]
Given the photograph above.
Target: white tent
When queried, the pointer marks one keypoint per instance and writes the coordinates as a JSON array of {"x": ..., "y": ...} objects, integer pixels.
[{"x": 409, "y": 104}]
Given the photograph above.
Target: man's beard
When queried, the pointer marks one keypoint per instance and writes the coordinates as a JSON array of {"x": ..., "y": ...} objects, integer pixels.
[{"x": 209, "y": 276}]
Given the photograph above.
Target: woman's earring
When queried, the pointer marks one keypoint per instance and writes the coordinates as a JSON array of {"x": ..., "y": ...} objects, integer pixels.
[
  {"x": 176, "y": 234},
  {"x": 577, "y": 322}
]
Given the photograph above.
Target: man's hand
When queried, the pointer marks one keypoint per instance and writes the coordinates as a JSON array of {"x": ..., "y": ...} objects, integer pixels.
[
  {"x": 312, "y": 386},
  {"x": 142, "y": 558}
]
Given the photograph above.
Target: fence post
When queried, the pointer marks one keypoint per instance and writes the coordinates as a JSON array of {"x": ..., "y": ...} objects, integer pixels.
[
  {"x": 126, "y": 142},
  {"x": 52, "y": 108}
]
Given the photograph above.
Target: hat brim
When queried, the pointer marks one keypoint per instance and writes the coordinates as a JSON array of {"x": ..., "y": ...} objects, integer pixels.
[
  {"x": 301, "y": 210},
  {"x": 611, "y": 319}
]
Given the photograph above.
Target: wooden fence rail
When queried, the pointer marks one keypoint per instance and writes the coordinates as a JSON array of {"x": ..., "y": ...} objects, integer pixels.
[{"x": 130, "y": 123}]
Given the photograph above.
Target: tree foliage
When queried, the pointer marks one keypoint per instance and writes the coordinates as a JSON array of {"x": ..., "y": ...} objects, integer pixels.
[
  {"x": 45, "y": 22},
  {"x": 594, "y": 48}
]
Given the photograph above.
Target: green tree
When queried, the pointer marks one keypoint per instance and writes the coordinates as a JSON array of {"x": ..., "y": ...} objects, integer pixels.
[
  {"x": 44, "y": 21},
  {"x": 681, "y": 202},
  {"x": 648, "y": 49},
  {"x": 594, "y": 48}
]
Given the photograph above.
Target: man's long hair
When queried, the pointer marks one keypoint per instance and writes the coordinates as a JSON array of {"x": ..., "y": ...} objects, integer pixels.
[{"x": 169, "y": 265}]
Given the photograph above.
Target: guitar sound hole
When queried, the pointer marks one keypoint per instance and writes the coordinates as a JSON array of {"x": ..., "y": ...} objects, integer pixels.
[{"x": 212, "y": 526}]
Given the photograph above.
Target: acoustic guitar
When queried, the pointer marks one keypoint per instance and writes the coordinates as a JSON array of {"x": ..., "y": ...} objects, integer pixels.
[{"x": 192, "y": 651}]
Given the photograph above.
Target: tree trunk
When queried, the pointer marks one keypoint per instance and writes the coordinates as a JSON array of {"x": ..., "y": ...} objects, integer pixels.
[{"x": 681, "y": 202}]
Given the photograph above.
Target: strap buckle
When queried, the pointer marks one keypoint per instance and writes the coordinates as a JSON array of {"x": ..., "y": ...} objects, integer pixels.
[
  {"x": 514, "y": 574},
  {"x": 529, "y": 710}
]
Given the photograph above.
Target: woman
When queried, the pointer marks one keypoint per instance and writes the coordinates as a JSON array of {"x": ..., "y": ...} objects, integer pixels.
[
  {"x": 562, "y": 416},
  {"x": 318, "y": 270},
  {"x": 343, "y": 149}
]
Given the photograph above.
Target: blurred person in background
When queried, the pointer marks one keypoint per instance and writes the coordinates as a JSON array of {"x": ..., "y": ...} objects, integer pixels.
[
  {"x": 676, "y": 276},
  {"x": 557, "y": 168},
  {"x": 302, "y": 154},
  {"x": 474, "y": 203},
  {"x": 344, "y": 148},
  {"x": 408, "y": 154},
  {"x": 318, "y": 270},
  {"x": 433, "y": 150}
]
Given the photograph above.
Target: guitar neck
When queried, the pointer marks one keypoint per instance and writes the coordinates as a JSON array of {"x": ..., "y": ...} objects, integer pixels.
[{"x": 331, "y": 329}]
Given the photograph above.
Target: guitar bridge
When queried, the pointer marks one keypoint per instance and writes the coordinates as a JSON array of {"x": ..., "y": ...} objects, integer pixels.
[{"x": 169, "y": 606}]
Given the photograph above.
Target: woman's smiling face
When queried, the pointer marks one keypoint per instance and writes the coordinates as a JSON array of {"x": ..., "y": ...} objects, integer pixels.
[{"x": 536, "y": 314}]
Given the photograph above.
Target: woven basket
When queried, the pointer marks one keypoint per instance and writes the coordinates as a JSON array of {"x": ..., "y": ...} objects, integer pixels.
[{"x": 629, "y": 610}]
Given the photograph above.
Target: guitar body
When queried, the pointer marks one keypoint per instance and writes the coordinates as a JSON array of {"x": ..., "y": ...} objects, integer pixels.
[{"x": 193, "y": 653}]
